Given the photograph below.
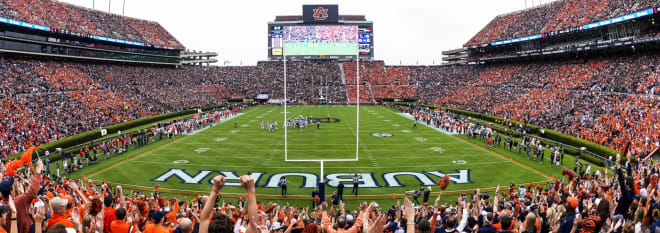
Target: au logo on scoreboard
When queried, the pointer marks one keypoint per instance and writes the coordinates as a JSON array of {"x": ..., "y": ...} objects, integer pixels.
[{"x": 320, "y": 14}]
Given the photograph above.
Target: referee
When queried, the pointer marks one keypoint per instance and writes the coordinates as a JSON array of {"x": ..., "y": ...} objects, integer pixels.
[
  {"x": 356, "y": 181},
  {"x": 283, "y": 182}
]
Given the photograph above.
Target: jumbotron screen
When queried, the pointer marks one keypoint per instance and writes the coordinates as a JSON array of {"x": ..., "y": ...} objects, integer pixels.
[{"x": 320, "y": 40}]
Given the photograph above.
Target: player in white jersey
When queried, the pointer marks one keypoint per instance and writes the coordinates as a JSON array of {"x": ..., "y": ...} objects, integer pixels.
[{"x": 262, "y": 124}]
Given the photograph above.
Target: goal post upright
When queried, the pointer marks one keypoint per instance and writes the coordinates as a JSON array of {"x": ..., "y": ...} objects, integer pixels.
[
  {"x": 286, "y": 126},
  {"x": 357, "y": 135}
]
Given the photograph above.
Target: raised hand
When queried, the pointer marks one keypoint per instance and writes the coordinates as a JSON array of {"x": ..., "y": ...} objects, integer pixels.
[
  {"x": 367, "y": 210},
  {"x": 618, "y": 224},
  {"x": 293, "y": 222},
  {"x": 218, "y": 182},
  {"x": 409, "y": 211},
  {"x": 75, "y": 218},
  {"x": 40, "y": 166},
  {"x": 259, "y": 223},
  {"x": 377, "y": 226},
  {"x": 92, "y": 226},
  {"x": 12, "y": 205},
  {"x": 41, "y": 214},
  {"x": 247, "y": 182},
  {"x": 73, "y": 185}
]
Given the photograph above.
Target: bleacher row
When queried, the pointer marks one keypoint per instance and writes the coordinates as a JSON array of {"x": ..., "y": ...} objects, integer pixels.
[
  {"x": 83, "y": 20},
  {"x": 555, "y": 16}
]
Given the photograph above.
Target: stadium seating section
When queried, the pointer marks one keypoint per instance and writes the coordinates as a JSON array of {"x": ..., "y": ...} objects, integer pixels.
[
  {"x": 555, "y": 16},
  {"x": 64, "y": 16}
]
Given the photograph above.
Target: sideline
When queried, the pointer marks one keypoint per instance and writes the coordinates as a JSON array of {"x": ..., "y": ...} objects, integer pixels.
[
  {"x": 304, "y": 197},
  {"x": 155, "y": 148},
  {"x": 485, "y": 149}
]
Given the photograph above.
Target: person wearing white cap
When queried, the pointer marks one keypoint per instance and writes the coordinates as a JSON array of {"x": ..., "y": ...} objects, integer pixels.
[
  {"x": 58, "y": 206},
  {"x": 276, "y": 226}
]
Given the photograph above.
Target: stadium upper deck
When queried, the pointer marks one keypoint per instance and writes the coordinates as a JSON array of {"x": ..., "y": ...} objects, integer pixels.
[
  {"x": 63, "y": 16},
  {"x": 555, "y": 16}
]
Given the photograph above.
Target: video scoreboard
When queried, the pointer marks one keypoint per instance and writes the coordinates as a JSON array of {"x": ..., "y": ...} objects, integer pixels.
[{"x": 320, "y": 33}]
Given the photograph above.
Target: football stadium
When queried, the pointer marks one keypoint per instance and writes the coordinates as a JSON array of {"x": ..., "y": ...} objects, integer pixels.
[{"x": 547, "y": 120}]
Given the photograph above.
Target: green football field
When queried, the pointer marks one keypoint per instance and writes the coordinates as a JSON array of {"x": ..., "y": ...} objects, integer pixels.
[{"x": 392, "y": 156}]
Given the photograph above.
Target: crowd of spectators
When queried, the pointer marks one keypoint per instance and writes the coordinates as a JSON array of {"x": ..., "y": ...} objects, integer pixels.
[
  {"x": 47, "y": 100},
  {"x": 59, "y": 15},
  {"x": 582, "y": 201},
  {"x": 555, "y": 16},
  {"x": 609, "y": 100},
  {"x": 378, "y": 80}
]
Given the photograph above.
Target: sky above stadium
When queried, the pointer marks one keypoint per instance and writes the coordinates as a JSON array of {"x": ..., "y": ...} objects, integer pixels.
[{"x": 405, "y": 32}]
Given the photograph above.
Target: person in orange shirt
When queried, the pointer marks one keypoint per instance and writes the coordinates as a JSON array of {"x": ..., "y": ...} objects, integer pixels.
[
  {"x": 59, "y": 214},
  {"x": 158, "y": 227},
  {"x": 120, "y": 225},
  {"x": 108, "y": 210}
]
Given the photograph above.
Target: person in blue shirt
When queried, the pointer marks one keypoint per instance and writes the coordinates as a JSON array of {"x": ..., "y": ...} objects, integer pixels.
[
  {"x": 627, "y": 189},
  {"x": 567, "y": 223}
]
